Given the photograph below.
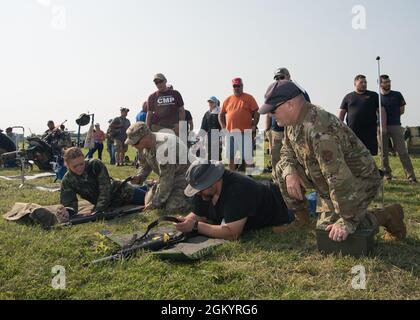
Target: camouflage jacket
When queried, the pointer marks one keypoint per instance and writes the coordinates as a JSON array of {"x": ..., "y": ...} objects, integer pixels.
[
  {"x": 95, "y": 186},
  {"x": 334, "y": 160},
  {"x": 167, "y": 172}
]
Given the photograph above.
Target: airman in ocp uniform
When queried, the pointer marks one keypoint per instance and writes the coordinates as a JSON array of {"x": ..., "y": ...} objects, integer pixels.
[
  {"x": 321, "y": 153},
  {"x": 153, "y": 149}
]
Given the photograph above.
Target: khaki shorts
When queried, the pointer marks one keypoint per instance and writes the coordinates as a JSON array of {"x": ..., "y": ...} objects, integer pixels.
[{"x": 120, "y": 146}]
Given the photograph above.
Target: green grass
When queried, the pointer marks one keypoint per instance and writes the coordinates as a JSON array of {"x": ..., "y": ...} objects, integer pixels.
[{"x": 261, "y": 265}]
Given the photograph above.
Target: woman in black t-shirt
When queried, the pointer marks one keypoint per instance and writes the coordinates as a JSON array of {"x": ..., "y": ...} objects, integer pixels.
[{"x": 211, "y": 122}]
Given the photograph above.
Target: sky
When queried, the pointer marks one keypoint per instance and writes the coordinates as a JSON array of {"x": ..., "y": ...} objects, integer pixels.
[{"x": 61, "y": 58}]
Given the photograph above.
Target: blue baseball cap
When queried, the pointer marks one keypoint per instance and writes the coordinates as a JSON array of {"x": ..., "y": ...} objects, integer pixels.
[{"x": 213, "y": 99}]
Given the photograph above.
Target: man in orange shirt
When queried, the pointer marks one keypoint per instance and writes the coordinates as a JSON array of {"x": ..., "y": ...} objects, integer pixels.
[{"x": 239, "y": 116}]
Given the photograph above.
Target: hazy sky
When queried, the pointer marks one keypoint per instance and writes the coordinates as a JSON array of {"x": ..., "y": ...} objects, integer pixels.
[{"x": 59, "y": 59}]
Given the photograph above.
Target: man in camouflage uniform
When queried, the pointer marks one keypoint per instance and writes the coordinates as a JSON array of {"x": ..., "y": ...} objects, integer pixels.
[
  {"x": 90, "y": 180},
  {"x": 320, "y": 152},
  {"x": 153, "y": 148}
]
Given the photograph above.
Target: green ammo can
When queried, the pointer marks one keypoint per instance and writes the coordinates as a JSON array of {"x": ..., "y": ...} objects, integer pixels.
[{"x": 360, "y": 243}]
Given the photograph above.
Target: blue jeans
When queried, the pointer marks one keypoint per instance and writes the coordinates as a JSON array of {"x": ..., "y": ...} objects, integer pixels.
[
  {"x": 244, "y": 145},
  {"x": 98, "y": 146},
  {"x": 139, "y": 195},
  {"x": 111, "y": 150}
]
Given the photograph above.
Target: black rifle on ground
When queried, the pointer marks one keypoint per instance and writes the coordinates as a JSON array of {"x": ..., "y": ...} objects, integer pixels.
[
  {"x": 109, "y": 215},
  {"x": 145, "y": 242},
  {"x": 105, "y": 215}
]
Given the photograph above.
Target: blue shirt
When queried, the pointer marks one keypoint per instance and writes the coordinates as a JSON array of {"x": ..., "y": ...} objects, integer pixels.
[
  {"x": 392, "y": 102},
  {"x": 141, "y": 116}
]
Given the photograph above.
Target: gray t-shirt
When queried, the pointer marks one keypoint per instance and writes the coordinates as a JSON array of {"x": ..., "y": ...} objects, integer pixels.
[{"x": 125, "y": 125}]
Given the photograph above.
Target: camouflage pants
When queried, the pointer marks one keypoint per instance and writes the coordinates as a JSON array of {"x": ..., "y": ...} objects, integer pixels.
[
  {"x": 177, "y": 201},
  {"x": 276, "y": 144},
  {"x": 325, "y": 208}
]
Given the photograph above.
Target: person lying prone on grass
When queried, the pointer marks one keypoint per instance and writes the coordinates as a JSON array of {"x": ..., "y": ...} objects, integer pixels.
[
  {"x": 90, "y": 180},
  {"x": 233, "y": 202}
]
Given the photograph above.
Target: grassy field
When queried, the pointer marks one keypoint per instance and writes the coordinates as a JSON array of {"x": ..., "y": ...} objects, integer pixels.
[{"x": 261, "y": 265}]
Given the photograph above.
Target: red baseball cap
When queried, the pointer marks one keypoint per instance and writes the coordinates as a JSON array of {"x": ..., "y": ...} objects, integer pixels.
[{"x": 237, "y": 81}]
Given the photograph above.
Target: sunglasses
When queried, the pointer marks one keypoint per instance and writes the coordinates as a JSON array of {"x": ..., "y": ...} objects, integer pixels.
[
  {"x": 158, "y": 81},
  {"x": 280, "y": 77},
  {"x": 236, "y": 86},
  {"x": 273, "y": 112}
]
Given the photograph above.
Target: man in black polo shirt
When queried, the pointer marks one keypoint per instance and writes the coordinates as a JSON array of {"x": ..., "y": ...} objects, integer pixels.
[
  {"x": 394, "y": 104},
  {"x": 361, "y": 108},
  {"x": 232, "y": 202}
]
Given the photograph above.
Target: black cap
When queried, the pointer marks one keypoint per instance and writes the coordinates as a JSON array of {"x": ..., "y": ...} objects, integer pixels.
[
  {"x": 277, "y": 93},
  {"x": 281, "y": 72},
  {"x": 201, "y": 175}
]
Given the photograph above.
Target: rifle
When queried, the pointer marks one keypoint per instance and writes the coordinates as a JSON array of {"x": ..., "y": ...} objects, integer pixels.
[
  {"x": 53, "y": 131},
  {"x": 102, "y": 215},
  {"x": 146, "y": 243}
]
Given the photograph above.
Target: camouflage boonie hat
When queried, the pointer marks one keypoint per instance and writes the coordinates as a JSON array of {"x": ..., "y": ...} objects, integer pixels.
[{"x": 136, "y": 132}]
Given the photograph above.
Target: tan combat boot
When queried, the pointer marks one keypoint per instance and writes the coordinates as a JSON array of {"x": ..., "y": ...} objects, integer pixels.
[
  {"x": 301, "y": 221},
  {"x": 302, "y": 218},
  {"x": 392, "y": 218}
]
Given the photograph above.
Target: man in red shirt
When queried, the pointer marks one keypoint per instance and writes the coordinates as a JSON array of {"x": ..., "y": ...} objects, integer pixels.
[{"x": 239, "y": 114}]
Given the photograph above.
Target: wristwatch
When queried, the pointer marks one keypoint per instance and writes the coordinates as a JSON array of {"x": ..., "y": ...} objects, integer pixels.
[{"x": 195, "y": 228}]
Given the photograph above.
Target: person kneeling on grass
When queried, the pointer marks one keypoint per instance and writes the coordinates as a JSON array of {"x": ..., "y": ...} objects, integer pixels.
[
  {"x": 320, "y": 152},
  {"x": 90, "y": 180},
  {"x": 154, "y": 148},
  {"x": 233, "y": 202}
]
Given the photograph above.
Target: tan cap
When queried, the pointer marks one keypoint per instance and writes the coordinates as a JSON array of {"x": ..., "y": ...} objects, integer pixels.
[
  {"x": 159, "y": 76},
  {"x": 136, "y": 132}
]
